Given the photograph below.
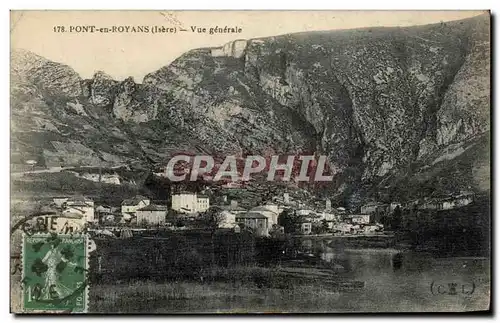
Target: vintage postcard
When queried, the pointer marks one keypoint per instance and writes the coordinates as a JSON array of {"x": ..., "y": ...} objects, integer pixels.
[{"x": 250, "y": 161}]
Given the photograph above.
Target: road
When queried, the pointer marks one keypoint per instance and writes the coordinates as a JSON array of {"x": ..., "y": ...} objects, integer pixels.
[{"x": 57, "y": 169}]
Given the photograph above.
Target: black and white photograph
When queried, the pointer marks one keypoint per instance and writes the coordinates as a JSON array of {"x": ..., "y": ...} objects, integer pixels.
[{"x": 250, "y": 162}]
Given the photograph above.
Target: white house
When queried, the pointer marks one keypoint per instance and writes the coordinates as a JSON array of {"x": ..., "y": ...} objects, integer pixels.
[
  {"x": 257, "y": 221},
  {"x": 130, "y": 206},
  {"x": 187, "y": 202},
  {"x": 228, "y": 219},
  {"x": 328, "y": 216},
  {"x": 360, "y": 218},
  {"x": 60, "y": 200},
  {"x": 202, "y": 203},
  {"x": 270, "y": 211},
  {"x": 80, "y": 205},
  {"x": 328, "y": 205},
  {"x": 304, "y": 211},
  {"x": 234, "y": 208},
  {"x": 152, "y": 214},
  {"x": 305, "y": 228},
  {"x": 369, "y": 208},
  {"x": 103, "y": 209},
  {"x": 455, "y": 202}
]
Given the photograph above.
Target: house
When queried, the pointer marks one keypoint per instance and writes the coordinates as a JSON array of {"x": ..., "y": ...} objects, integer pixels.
[
  {"x": 393, "y": 206},
  {"x": 187, "y": 202},
  {"x": 103, "y": 209},
  {"x": 130, "y": 206},
  {"x": 304, "y": 211},
  {"x": 234, "y": 208},
  {"x": 453, "y": 202},
  {"x": 229, "y": 213},
  {"x": 373, "y": 228},
  {"x": 232, "y": 185},
  {"x": 430, "y": 204},
  {"x": 228, "y": 219},
  {"x": 331, "y": 223},
  {"x": 341, "y": 210},
  {"x": 258, "y": 222},
  {"x": 203, "y": 203},
  {"x": 77, "y": 200},
  {"x": 328, "y": 205},
  {"x": 464, "y": 199},
  {"x": 359, "y": 218},
  {"x": 328, "y": 216},
  {"x": 270, "y": 211},
  {"x": 460, "y": 200},
  {"x": 369, "y": 208},
  {"x": 109, "y": 218},
  {"x": 60, "y": 200},
  {"x": 80, "y": 205},
  {"x": 152, "y": 214},
  {"x": 306, "y": 228},
  {"x": 342, "y": 228}
]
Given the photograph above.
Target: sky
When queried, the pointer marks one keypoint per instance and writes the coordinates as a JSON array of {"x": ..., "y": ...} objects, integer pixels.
[{"x": 136, "y": 54}]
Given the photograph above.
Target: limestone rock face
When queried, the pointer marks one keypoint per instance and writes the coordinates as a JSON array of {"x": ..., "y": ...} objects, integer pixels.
[
  {"x": 101, "y": 89},
  {"x": 53, "y": 78},
  {"x": 234, "y": 49}
]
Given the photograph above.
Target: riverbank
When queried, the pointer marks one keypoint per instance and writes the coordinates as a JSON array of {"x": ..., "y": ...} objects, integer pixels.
[{"x": 239, "y": 289}]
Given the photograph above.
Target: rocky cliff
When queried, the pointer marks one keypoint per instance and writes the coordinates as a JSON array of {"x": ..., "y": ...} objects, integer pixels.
[{"x": 383, "y": 103}]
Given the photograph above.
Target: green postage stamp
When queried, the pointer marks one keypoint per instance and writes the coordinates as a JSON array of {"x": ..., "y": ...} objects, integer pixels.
[{"x": 55, "y": 273}]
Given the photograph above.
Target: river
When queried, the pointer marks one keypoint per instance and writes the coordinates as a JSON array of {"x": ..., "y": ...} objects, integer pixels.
[
  {"x": 398, "y": 280},
  {"x": 392, "y": 280}
]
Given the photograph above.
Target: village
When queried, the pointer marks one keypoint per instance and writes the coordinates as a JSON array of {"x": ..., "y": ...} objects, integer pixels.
[{"x": 189, "y": 210}]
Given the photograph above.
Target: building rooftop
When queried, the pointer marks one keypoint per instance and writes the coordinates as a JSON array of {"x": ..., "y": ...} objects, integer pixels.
[
  {"x": 373, "y": 203},
  {"x": 233, "y": 208},
  {"x": 154, "y": 207},
  {"x": 184, "y": 193},
  {"x": 134, "y": 200},
  {"x": 72, "y": 215},
  {"x": 251, "y": 215},
  {"x": 80, "y": 204},
  {"x": 262, "y": 208},
  {"x": 81, "y": 199}
]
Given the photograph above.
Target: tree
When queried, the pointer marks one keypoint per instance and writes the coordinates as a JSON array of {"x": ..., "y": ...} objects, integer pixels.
[
  {"x": 287, "y": 220},
  {"x": 320, "y": 227},
  {"x": 276, "y": 231},
  {"x": 212, "y": 218},
  {"x": 324, "y": 226},
  {"x": 143, "y": 224},
  {"x": 396, "y": 219}
]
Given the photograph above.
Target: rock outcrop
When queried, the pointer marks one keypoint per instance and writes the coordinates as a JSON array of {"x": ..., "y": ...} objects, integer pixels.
[
  {"x": 101, "y": 89},
  {"x": 50, "y": 77}
]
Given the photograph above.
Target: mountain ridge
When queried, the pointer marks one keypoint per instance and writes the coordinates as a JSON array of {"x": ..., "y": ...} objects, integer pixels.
[{"x": 377, "y": 101}]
